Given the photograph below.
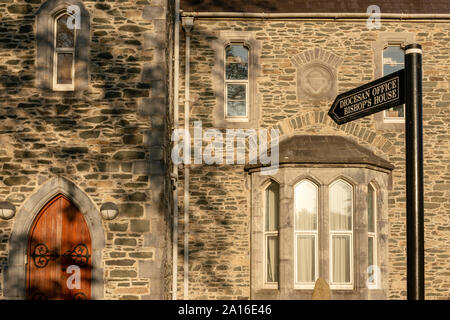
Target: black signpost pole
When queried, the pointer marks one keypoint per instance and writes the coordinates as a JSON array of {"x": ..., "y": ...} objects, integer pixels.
[{"x": 414, "y": 173}]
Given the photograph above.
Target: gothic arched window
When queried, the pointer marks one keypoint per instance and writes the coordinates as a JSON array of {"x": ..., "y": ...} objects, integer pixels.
[{"x": 63, "y": 40}]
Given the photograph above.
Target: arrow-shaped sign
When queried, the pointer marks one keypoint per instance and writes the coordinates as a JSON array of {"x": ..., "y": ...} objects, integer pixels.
[{"x": 375, "y": 96}]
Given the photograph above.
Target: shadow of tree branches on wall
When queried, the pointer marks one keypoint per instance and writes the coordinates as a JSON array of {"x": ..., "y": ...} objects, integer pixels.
[
  {"x": 97, "y": 138},
  {"x": 219, "y": 206}
]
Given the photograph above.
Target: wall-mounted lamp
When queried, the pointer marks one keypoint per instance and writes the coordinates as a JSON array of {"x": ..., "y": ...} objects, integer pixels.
[
  {"x": 109, "y": 211},
  {"x": 7, "y": 210}
]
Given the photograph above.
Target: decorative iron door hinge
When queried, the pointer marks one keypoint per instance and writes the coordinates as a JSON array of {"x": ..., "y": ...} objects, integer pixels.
[{"x": 79, "y": 256}]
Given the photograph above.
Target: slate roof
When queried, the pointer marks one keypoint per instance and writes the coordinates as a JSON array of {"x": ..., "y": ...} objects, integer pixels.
[
  {"x": 307, "y": 149},
  {"x": 316, "y": 6}
]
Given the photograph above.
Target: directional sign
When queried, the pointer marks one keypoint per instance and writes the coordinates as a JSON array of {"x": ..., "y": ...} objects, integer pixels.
[{"x": 375, "y": 96}]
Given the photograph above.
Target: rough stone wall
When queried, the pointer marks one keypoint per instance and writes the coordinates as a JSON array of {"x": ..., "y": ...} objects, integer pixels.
[
  {"x": 223, "y": 201},
  {"x": 109, "y": 140},
  {"x": 219, "y": 240}
]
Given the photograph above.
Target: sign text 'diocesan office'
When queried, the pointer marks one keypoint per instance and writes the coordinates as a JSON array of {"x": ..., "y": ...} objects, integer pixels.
[
  {"x": 375, "y": 96},
  {"x": 384, "y": 92}
]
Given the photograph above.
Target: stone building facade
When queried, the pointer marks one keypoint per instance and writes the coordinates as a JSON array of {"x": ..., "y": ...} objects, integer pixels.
[
  {"x": 100, "y": 142},
  {"x": 100, "y": 137},
  {"x": 286, "y": 51}
]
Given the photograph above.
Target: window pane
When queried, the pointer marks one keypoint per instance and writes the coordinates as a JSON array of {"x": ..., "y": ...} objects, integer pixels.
[
  {"x": 236, "y": 109},
  {"x": 64, "y": 68},
  {"x": 370, "y": 209},
  {"x": 272, "y": 259},
  {"x": 396, "y": 112},
  {"x": 341, "y": 258},
  {"x": 341, "y": 206},
  {"x": 370, "y": 260},
  {"x": 272, "y": 207},
  {"x": 236, "y": 91},
  {"x": 393, "y": 55},
  {"x": 393, "y": 60},
  {"x": 236, "y": 62},
  {"x": 388, "y": 69},
  {"x": 64, "y": 36},
  {"x": 305, "y": 206},
  {"x": 306, "y": 259}
]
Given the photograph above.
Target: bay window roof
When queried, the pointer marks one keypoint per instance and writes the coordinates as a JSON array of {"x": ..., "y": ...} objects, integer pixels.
[{"x": 325, "y": 150}]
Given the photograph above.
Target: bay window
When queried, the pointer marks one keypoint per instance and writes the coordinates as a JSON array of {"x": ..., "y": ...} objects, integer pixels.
[{"x": 328, "y": 220}]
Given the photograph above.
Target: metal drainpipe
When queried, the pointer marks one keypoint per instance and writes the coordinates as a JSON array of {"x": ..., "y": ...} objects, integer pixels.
[
  {"x": 174, "y": 176},
  {"x": 187, "y": 25}
]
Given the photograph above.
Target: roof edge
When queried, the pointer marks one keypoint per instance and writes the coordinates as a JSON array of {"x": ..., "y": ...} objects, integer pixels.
[
  {"x": 387, "y": 169},
  {"x": 314, "y": 150},
  {"x": 315, "y": 15}
]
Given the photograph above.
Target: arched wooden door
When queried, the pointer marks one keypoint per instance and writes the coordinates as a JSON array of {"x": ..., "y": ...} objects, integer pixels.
[{"x": 59, "y": 253}]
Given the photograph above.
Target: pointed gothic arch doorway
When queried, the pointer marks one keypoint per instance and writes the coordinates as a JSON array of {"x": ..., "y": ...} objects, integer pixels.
[
  {"x": 59, "y": 253},
  {"x": 15, "y": 277}
]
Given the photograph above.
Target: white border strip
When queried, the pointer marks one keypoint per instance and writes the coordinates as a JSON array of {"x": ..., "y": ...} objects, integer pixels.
[{"x": 413, "y": 50}]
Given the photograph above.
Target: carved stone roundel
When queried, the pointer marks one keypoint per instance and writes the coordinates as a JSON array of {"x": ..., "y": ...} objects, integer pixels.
[{"x": 316, "y": 80}]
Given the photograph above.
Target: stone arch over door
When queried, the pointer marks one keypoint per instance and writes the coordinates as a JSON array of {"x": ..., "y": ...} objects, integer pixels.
[{"x": 15, "y": 273}]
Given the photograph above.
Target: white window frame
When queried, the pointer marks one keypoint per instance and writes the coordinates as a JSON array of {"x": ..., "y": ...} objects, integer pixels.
[
  {"x": 373, "y": 235},
  {"x": 333, "y": 233},
  {"x": 227, "y": 82},
  {"x": 56, "y": 86},
  {"x": 385, "y": 117},
  {"x": 315, "y": 233},
  {"x": 267, "y": 234}
]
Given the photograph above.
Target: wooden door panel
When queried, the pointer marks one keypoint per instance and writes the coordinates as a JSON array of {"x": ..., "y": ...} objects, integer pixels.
[
  {"x": 58, "y": 239},
  {"x": 76, "y": 250},
  {"x": 43, "y": 251}
]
